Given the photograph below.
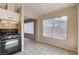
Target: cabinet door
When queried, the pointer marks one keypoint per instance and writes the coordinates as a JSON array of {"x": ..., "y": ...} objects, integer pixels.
[
  {"x": 4, "y": 14},
  {"x": 14, "y": 16},
  {"x": 9, "y": 15},
  {"x": 3, "y": 26},
  {"x": 7, "y": 26}
]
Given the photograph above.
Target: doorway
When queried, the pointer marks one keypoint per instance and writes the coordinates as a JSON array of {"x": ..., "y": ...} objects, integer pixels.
[{"x": 30, "y": 29}]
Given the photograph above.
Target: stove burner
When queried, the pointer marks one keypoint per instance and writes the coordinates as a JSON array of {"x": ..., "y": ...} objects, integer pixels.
[{"x": 9, "y": 34}]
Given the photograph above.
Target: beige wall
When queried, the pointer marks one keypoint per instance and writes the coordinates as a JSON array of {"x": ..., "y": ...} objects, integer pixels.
[{"x": 71, "y": 43}]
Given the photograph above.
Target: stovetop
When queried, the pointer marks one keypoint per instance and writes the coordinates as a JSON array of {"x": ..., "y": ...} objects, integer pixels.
[
  {"x": 9, "y": 34},
  {"x": 10, "y": 37}
]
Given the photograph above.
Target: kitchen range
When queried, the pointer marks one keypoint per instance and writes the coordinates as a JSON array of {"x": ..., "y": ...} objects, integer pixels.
[
  {"x": 10, "y": 41},
  {"x": 10, "y": 29}
]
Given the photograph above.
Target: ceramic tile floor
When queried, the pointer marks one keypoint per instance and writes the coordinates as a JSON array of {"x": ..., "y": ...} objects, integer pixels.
[{"x": 36, "y": 48}]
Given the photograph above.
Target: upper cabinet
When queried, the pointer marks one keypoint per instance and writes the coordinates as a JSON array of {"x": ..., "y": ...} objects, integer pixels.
[{"x": 8, "y": 16}]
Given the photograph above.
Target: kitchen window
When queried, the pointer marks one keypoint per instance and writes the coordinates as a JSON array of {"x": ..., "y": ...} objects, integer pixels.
[
  {"x": 29, "y": 28},
  {"x": 55, "y": 28}
]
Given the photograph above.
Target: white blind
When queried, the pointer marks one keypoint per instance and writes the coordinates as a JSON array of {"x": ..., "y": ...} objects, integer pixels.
[
  {"x": 29, "y": 28},
  {"x": 55, "y": 27}
]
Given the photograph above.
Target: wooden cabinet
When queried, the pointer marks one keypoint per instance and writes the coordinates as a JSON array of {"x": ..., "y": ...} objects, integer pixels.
[
  {"x": 8, "y": 26},
  {"x": 8, "y": 16}
]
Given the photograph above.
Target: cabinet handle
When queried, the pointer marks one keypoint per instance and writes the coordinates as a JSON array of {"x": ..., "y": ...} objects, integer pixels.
[{"x": 10, "y": 17}]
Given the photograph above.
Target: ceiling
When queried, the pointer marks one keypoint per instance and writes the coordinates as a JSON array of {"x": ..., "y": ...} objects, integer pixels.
[{"x": 43, "y": 8}]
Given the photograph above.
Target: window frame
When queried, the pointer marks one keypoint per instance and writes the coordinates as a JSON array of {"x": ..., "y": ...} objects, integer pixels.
[{"x": 53, "y": 37}]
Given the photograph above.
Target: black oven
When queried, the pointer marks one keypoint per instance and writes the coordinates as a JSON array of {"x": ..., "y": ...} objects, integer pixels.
[{"x": 10, "y": 42}]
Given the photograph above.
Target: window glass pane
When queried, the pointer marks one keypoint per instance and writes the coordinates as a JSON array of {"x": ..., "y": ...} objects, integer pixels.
[
  {"x": 55, "y": 28},
  {"x": 29, "y": 28}
]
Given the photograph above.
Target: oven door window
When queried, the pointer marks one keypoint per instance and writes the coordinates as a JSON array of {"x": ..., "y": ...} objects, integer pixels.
[{"x": 11, "y": 43}]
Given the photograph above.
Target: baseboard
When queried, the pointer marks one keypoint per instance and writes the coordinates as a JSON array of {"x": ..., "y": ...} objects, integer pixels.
[{"x": 58, "y": 46}]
